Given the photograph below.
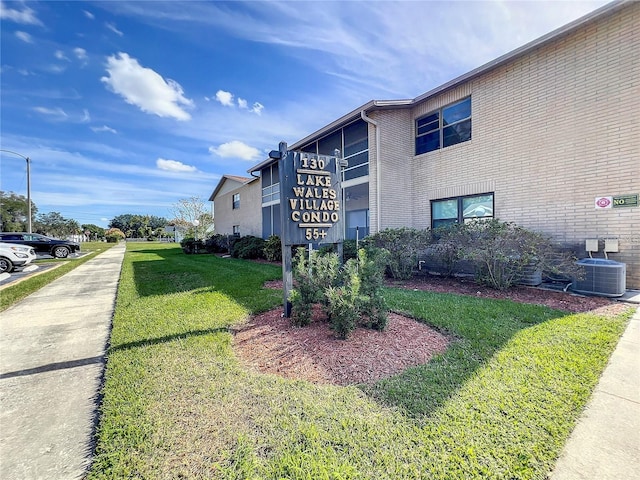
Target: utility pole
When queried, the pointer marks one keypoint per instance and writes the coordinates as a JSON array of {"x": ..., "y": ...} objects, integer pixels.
[{"x": 29, "y": 228}]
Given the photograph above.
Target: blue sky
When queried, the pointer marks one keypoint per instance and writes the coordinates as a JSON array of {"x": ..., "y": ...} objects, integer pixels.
[{"x": 128, "y": 107}]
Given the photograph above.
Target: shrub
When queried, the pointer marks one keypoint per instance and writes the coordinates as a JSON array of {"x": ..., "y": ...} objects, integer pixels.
[
  {"x": 403, "y": 245},
  {"x": 273, "y": 249},
  {"x": 371, "y": 267},
  {"x": 344, "y": 301},
  {"x": 219, "y": 243},
  {"x": 248, "y": 247},
  {"x": 348, "y": 249},
  {"x": 191, "y": 245},
  {"x": 447, "y": 247},
  {"x": 114, "y": 235},
  {"x": 305, "y": 293},
  {"x": 501, "y": 251},
  {"x": 348, "y": 293}
]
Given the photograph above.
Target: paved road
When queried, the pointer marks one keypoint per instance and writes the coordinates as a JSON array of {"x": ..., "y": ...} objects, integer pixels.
[{"x": 52, "y": 347}]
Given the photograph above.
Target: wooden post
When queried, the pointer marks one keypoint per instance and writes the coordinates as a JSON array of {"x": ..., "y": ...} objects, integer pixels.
[
  {"x": 287, "y": 261},
  {"x": 287, "y": 279}
]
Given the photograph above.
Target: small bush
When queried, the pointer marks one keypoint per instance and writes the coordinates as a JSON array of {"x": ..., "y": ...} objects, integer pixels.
[
  {"x": 191, "y": 245},
  {"x": 348, "y": 294},
  {"x": 114, "y": 235},
  {"x": 305, "y": 293},
  {"x": 501, "y": 251},
  {"x": 273, "y": 249},
  {"x": 248, "y": 247},
  {"x": 344, "y": 301},
  {"x": 447, "y": 248},
  {"x": 219, "y": 243},
  {"x": 403, "y": 245},
  {"x": 349, "y": 250},
  {"x": 373, "y": 306}
]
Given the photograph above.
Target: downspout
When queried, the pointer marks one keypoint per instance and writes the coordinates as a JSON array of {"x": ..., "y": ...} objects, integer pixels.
[{"x": 364, "y": 117}]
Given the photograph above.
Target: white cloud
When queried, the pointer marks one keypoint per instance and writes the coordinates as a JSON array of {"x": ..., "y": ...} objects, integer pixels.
[
  {"x": 103, "y": 128},
  {"x": 86, "y": 117},
  {"x": 89, "y": 15},
  {"x": 225, "y": 98},
  {"x": 25, "y": 16},
  {"x": 145, "y": 88},
  {"x": 80, "y": 53},
  {"x": 53, "y": 68},
  {"x": 174, "y": 166},
  {"x": 56, "y": 113},
  {"x": 113, "y": 28},
  {"x": 390, "y": 39},
  {"x": 257, "y": 108},
  {"x": 236, "y": 149},
  {"x": 24, "y": 36},
  {"x": 59, "y": 54}
]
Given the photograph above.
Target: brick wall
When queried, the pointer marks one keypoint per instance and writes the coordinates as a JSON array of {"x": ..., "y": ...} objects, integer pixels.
[{"x": 551, "y": 130}]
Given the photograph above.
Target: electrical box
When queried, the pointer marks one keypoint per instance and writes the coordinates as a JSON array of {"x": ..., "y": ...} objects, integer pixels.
[
  {"x": 611, "y": 245},
  {"x": 591, "y": 245}
]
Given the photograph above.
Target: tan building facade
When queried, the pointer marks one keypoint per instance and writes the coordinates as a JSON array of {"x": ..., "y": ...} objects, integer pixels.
[
  {"x": 533, "y": 137},
  {"x": 236, "y": 206}
]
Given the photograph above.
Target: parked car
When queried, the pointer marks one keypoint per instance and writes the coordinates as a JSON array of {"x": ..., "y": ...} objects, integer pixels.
[
  {"x": 14, "y": 257},
  {"x": 42, "y": 244}
]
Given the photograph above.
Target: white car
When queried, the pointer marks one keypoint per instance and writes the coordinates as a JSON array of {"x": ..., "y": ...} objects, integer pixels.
[{"x": 15, "y": 257}]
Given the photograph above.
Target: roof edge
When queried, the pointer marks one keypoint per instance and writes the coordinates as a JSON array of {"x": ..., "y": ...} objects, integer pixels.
[{"x": 226, "y": 177}]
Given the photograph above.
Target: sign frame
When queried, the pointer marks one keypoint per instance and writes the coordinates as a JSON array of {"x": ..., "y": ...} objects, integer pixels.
[{"x": 311, "y": 205}]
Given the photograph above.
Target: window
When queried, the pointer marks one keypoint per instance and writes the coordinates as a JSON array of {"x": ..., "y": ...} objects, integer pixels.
[
  {"x": 236, "y": 201},
  {"x": 11, "y": 236},
  {"x": 461, "y": 209},
  {"x": 271, "y": 220},
  {"x": 445, "y": 127},
  {"x": 353, "y": 143},
  {"x": 236, "y": 230},
  {"x": 270, "y": 184},
  {"x": 356, "y": 150},
  {"x": 357, "y": 224}
]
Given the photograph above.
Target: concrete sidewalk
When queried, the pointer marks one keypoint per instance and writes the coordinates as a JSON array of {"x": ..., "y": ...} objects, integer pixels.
[
  {"x": 605, "y": 445},
  {"x": 52, "y": 347}
]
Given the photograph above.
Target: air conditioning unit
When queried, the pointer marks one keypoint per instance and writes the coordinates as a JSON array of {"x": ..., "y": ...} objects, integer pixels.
[
  {"x": 531, "y": 275},
  {"x": 601, "y": 277}
]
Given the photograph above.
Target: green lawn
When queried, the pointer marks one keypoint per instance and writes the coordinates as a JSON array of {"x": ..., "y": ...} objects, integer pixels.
[
  {"x": 177, "y": 403},
  {"x": 14, "y": 293}
]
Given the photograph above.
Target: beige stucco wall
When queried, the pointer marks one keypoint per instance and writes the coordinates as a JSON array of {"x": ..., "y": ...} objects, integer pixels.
[
  {"x": 248, "y": 216},
  {"x": 550, "y": 131}
]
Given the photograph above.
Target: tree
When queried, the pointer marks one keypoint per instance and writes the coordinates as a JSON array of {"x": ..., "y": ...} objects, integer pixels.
[
  {"x": 54, "y": 224},
  {"x": 95, "y": 232},
  {"x": 133, "y": 225},
  {"x": 14, "y": 212},
  {"x": 192, "y": 217}
]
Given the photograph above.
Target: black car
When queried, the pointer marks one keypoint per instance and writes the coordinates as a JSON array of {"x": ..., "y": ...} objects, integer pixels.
[{"x": 42, "y": 244}]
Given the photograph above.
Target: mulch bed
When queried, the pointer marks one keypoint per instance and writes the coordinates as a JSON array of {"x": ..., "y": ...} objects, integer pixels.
[{"x": 270, "y": 344}]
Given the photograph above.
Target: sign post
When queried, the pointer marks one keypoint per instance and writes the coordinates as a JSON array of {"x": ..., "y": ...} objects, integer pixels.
[{"x": 311, "y": 205}]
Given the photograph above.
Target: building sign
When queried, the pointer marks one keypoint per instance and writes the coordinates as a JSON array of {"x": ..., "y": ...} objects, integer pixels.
[
  {"x": 625, "y": 201},
  {"x": 618, "y": 201},
  {"x": 311, "y": 195},
  {"x": 603, "y": 202}
]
